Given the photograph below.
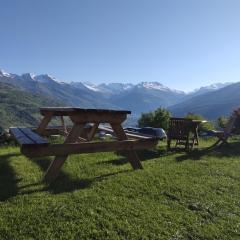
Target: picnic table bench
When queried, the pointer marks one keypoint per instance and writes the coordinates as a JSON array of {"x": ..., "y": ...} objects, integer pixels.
[
  {"x": 34, "y": 145},
  {"x": 26, "y": 137}
]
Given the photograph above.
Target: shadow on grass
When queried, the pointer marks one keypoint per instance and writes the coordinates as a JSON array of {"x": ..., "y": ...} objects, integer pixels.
[
  {"x": 231, "y": 149},
  {"x": 143, "y": 155},
  {"x": 64, "y": 182},
  {"x": 8, "y": 180}
]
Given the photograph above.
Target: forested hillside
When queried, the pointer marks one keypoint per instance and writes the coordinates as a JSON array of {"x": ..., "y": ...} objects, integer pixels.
[{"x": 19, "y": 107}]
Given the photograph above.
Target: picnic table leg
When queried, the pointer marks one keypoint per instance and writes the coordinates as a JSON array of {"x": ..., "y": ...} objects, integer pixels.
[
  {"x": 64, "y": 126},
  {"x": 55, "y": 166},
  {"x": 43, "y": 124},
  {"x": 92, "y": 132},
  {"x": 196, "y": 137},
  {"x": 132, "y": 155}
]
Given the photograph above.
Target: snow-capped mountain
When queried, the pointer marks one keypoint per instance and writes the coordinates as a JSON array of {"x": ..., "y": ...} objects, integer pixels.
[
  {"x": 140, "y": 97},
  {"x": 28, "y": 77},
  {"x": 3, "y": 73},
  {"x": 49, "y": 86},
  {"x": 209, "y": 88},
  {"x": 212, "y": 104},
  {"x": 115, "y": 88},
  {"x": 157, "y": 86},
  {"x": 147, "y": 96},
  {"x": 45, "y": 78},
  {"x": 108, "y": 88},
  {"x": 92, "y": 86}
]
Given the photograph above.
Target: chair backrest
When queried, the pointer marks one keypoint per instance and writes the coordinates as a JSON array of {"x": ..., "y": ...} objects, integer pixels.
[
  {"x": 233, "y": 125},
  {"x": 179, "y": 128},
  {"x": 237, "y": 126}
]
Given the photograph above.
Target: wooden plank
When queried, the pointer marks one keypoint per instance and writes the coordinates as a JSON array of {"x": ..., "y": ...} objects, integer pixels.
[
  {"x": 21, "y": 138},
  {"x": 88, "y": 147},
  {"x": 25, "y": 136},
  {"x": 98, "y": 117},
  {"x": 43, "y": 125},
  {"x": 63, "y": 125},
  {"x": 79, "y": 115},
  {"x": 92, "y": 132},
  {"x": 132, "y": 156},
  {"x": 54, "y": 130},
  {"x": 62, "y": 111},
  {"x": 33, "y": 136}
]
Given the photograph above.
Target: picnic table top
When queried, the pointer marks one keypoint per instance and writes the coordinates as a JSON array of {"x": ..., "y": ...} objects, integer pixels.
[
  {"x": 60, "y": 111},
  {"x": 191, "y": 120},
  {"x": 199, "y": 121}
]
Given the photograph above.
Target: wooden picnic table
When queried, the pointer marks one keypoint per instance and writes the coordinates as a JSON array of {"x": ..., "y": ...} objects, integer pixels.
[
  {"x": 195, "y": 126},
  {"x": 75, "y": 142}
]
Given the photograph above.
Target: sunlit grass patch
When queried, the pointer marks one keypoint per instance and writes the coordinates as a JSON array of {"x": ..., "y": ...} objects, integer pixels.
[{"x": 177, "y": 195}]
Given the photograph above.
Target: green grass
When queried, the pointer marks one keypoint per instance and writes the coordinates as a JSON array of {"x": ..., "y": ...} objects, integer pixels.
[{"x": 99, "y": 196}]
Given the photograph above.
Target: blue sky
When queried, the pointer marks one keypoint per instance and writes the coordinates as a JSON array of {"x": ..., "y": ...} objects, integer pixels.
[{"x": 183, "y": 44}]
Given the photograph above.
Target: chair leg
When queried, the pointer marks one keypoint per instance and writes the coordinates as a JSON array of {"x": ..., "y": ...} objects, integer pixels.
[
  {"x": 168, "y": 144},
  {"x": 187, "y": 144},
  {"x": 176, "y": 144}
]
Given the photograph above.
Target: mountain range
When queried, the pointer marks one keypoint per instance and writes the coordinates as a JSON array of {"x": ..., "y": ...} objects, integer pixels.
[
  {"x": 210, "y": 101},
  {"x": 211, "y": 105}
]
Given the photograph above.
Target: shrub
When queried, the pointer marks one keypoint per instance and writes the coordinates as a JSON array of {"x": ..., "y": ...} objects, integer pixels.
[
  {"x": 158, "y": 119},
  {"x": 203, "y": 126},
  {"x": 222, "y": 121}
]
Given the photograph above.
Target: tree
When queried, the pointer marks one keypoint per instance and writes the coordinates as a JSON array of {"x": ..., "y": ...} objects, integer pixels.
[
  {"x": 158, "y": 119},
  {"x": 203, "y": 126},
  {"x": 146, "y": 119}
]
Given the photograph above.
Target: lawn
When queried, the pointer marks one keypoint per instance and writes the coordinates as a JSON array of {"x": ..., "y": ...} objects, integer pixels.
[{"x": 99, "y": 196}]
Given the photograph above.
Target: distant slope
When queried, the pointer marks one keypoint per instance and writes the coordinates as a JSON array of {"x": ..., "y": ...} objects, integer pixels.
[
  {"x": 60, "y": 91},
  {"x": 212, "y": 104},
  {"x": 142, "y": 98},
  {"x": 20, "y": 108},
  {"x": 206, "y": 89}
]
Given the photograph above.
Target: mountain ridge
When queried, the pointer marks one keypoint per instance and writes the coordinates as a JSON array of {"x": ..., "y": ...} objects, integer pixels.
[
  {"x": 140, "y": 97},
  {"x": 211, "y": 104},
  {"x": 114, "y": 85}
]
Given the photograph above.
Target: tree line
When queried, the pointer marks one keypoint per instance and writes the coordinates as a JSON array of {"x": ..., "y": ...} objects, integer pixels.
[{"x": 161, "y": 116}]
